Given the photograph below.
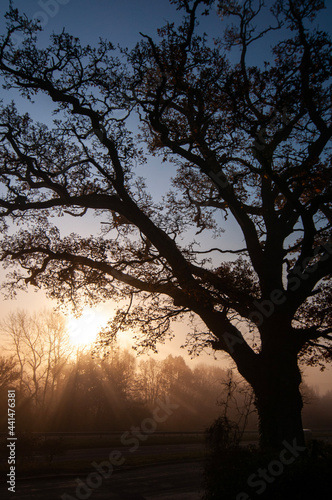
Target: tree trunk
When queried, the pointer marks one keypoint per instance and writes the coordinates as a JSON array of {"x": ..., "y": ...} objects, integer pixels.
[{"x": 278, "y": 400}]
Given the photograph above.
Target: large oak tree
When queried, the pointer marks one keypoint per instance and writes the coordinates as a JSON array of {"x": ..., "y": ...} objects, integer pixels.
[{"x": 249, "y": 141}]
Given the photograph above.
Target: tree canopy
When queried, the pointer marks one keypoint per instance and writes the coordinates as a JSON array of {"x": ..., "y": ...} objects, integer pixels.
[{"x": 249, "y": 141}]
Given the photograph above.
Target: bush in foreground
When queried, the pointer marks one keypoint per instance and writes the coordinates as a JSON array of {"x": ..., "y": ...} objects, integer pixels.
[{"x": 242, "y": 473}]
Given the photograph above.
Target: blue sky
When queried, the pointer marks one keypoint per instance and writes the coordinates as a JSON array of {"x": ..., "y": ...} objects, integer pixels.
[{"x": 119, "y": 22}]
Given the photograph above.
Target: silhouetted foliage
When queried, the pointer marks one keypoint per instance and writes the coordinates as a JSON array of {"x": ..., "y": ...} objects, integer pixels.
[{"x": 244, "y": 473}]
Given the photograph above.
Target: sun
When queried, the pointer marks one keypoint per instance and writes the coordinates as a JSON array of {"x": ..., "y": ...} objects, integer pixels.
[{"x": 83, "y": 331}]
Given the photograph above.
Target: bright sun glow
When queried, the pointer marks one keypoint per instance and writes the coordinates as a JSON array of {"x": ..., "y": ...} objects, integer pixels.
[{"x": 83, "y": 330}]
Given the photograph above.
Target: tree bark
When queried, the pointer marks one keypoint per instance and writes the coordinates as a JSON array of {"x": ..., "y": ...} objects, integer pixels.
[{"x": 279, "y": 400}]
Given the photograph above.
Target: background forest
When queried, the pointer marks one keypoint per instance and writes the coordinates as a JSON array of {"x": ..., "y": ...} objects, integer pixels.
[{"x": 61, "y": 388}]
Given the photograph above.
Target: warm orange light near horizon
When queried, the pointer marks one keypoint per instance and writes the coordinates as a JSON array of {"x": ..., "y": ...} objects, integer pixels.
[{"x": 84, "y": 330}]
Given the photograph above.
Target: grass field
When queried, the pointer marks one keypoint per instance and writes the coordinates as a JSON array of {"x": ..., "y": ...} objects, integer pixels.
[{"x": 42, "y": 454}]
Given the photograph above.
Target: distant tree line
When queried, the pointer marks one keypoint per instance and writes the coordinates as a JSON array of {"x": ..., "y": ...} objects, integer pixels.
[{"x": 62, "y": 389}]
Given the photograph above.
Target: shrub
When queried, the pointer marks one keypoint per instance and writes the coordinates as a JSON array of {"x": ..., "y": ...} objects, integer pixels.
[{"x": 229, "y": 466}]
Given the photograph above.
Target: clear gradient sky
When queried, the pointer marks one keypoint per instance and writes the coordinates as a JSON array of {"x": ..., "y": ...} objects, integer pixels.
[{"x": 121, "y": 22}]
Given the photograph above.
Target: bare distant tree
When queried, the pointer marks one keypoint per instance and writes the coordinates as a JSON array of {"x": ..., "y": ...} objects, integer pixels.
[
  {"x": 9, "y": 373},
  {"x": 41, "y": 347}
]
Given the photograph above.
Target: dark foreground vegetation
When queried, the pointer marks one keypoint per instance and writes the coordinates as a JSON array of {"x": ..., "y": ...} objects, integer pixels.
[{"x": 240, "y": 472}]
